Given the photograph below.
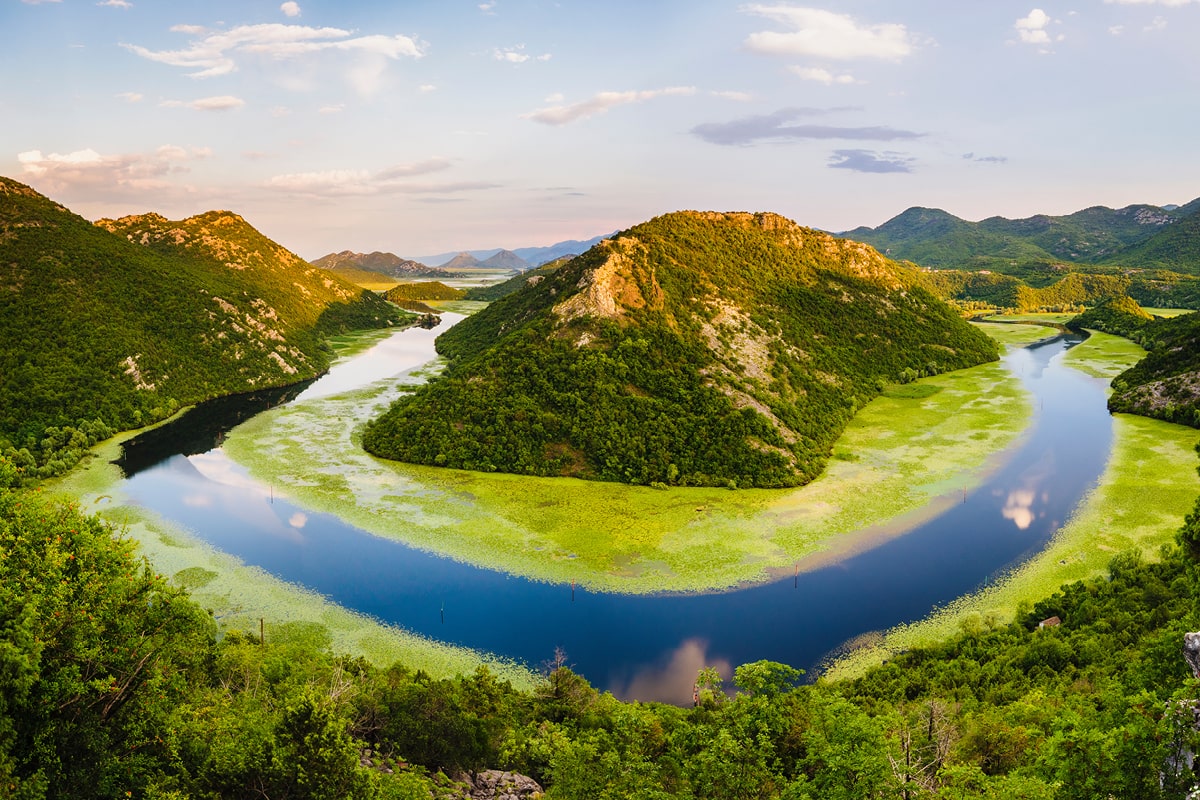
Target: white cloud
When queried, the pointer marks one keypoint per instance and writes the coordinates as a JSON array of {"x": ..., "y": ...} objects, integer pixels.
[
  {"x": 1116, "y": 30},
  {"x": 279, "y": 112},
  {"x": 336, "y": 108},
  {"x": 1172, "y": 3},
  {"x": 39, "y": 2},
  {"x": 517, "y": 55},
  {"x": 819, "y": 75},
  {"x": 600, "y": 103},
  {"x": 1032, "y": 29},
  {"x": 194, "y": 30},
  {"x": 290, "y": 9},
  {"x": 824, "y": 34},
  {"x": 488, "y": 8},
  {"x": 88, "y": 169},
  {"x": 395, "y": 179},
  {"x": 219, "y": 52},
  {"x": 222, "y": 102},
  {"x": 1159, "y": 24},
  {"x": 426, "y": 88},
  {"x": 739, "y": 97},
  {"x": 130, "y": 97},
  {"x": 116, "y": 4}
]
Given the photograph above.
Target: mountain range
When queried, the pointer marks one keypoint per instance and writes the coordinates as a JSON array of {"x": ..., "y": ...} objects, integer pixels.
[
  {"x": 697, "y": 348},
  {"x": 1137, "y": 236}
]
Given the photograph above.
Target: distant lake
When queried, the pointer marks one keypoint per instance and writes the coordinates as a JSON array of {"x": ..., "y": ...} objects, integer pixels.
[{"x": 643, "y": 647}]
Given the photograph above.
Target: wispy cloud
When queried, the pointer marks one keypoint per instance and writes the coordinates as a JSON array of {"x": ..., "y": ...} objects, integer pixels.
[
  {"x": 819, "y": 75},
  {"x": 777, "y": 127},
  {"x": 600, "y": 103},
  {"x": 870, "y": 161},
  {"x": 817, "y": 33},
  {"x": 130, "y": 97},
  {"x": 290, "y": 9},
  {"x": 39, "y": 2},
  {"x": 219, "y": 52},
  {"x": 985, "y": 159},
  {"x": 116, "y": 4},
  {"x": 737, "y": 97},
  {"x": 488, "y": 8},
  {"x": 120, "y": 174},
  {"x": 391, "y": 180},
  {"x": 517, "y": 55},
  {"x": 222, "y": 102}
]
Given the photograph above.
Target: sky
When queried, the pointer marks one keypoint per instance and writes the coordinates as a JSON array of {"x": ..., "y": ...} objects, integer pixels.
[{"x": 421, "y": 127}]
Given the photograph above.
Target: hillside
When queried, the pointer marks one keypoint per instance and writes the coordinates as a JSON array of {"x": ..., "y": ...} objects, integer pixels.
[
  {"x": 505, "y": 259},
  {"x": 935, "y": 238},
  {"x": 495, "y": 291},
  {"x": 1176, "y": 247},
  {"x": 697, "y": 348},
  {"x": 110, "y": 326},
  {"x": 1166, "y": 383},
  {"x": 348, "y": 263}
]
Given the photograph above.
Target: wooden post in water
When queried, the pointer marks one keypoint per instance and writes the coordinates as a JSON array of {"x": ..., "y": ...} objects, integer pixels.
[
  {"x": 796, "y": 577},
  {"x": 572, "y": 590},
  {"x": 443, "y": 612}
]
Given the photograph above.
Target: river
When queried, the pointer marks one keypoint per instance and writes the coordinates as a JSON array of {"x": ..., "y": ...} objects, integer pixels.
[{"x": 643, "y": 647}]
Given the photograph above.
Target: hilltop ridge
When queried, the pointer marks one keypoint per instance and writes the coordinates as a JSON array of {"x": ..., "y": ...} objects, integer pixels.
[{"x": 698, "y": 348}]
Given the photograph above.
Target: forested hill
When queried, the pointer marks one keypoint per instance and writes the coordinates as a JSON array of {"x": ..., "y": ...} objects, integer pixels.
[
  {"x": 108, "y": 327},
  {"x": 1134, "y": 236},
  {"x": 695, "y": 349}
]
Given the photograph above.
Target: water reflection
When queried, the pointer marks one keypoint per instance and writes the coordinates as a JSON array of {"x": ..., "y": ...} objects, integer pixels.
[{"x": 649, "y": 647}]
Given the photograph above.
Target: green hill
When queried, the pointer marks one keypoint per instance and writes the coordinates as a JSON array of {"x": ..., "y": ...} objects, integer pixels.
[
  {"x": 423, "y": 290},
  {"x": 1120, "y": 316},
  {"x": 497, "y": 290},
  {"x": 1176, "y": 247},
  {"x": 110, "y": 326},
  {"x": 697, "y": 348},
  {"x": 1097, "y": 235},
  {"x": 1166, "y": 383}
]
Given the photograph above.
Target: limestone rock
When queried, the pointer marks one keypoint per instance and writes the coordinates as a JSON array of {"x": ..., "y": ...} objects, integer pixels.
[{"x": 493, "y": 784}]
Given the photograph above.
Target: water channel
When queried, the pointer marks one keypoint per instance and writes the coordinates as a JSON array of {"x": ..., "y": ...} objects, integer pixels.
[{"x": 644, "y": 647}]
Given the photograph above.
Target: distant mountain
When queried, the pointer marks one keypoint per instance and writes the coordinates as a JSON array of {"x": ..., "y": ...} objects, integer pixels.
[
  {"x": 1175, "y": 247},
  {"x": 536, "y": 256},
  {"x": 461, "y": 261},
  {"x": 388, "y": 264},
  {"x": 497, "y": 290},
  {"x": 935, "y": 238},
  {"x": 110, "y": 326},
  {"x": 697, "y": 349},
  {"x": 505, "y": 259}
]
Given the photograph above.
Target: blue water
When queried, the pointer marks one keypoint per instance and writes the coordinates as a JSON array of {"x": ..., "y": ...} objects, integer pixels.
[{"x": 649, "y": 647}]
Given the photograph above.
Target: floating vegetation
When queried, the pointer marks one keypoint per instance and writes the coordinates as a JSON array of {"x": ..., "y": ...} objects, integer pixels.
[
  {"x": 1146, "y": 490},
  {"x": 896, "y": 456}
]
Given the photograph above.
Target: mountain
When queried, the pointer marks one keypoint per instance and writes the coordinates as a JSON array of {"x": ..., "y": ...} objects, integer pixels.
[
  {"x": 1166, "y": 383},
  {"x": 505, "y": 259},
  {"x": 536, "y": 256},
  {"x": 461, "y": 261},
  {"x": 1175, "y": 247},
  {"x": 388, "y": 264},
  {"x": 110, "y": 326},
  {"x": 697, "y": 348},
  {"x": 935, "y": 238}
]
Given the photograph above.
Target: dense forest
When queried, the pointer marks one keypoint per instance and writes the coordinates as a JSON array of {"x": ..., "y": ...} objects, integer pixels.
[
  {"x": 111, "y": 326},
  {"x": 115, "y": 684},
  {"x": 694, "y": 349}
]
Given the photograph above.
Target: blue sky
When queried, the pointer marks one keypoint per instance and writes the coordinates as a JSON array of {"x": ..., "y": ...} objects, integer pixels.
[{"x": 420, "y": 127}]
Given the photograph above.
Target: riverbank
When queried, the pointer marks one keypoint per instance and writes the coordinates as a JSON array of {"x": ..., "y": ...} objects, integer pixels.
[
  {"x": 900, "y": 455},
  {"x": 1148, "y": 487}
]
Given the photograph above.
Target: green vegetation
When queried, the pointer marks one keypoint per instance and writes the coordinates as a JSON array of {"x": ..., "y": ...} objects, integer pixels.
[
  {"x": 1120, "y": 315},
  {"x": 693, "y": 350},
  {"x": 1135, "y": 236},
  {"x": 106, "y": 330},
  {"x": 1166, "y": 383},
  {"x": 423, "y": 290},
  {"x": 896, "y": 457},
  {"x": 118, "y": 686},
  {"x": 1069, "y": 292}
]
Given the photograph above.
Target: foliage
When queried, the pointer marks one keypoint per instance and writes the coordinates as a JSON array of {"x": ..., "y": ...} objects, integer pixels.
[
  {"x": 1065, "y": 292},
  {"x": 1134, "y": 236},
  {"x": 423, "y": 290},
  {"x": 112, "y": 326},
  {"x": 1166, "y": 383},
  {"x": 1120, "y": 315},
  {"x": 497, "y": 290},
  {"x": 695, "y": 349}
]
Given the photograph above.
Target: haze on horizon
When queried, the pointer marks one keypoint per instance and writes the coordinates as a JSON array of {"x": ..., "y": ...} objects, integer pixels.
[{"x": 432, "y": 126}]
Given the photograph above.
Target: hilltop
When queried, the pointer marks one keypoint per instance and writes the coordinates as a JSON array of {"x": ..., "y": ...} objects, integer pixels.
[
  {"x": 1134, "y": 236},
  {"x": 110, "y": 326},
  {"x": 349, "y": 264},
  {"x": 697, "y": 348}
]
